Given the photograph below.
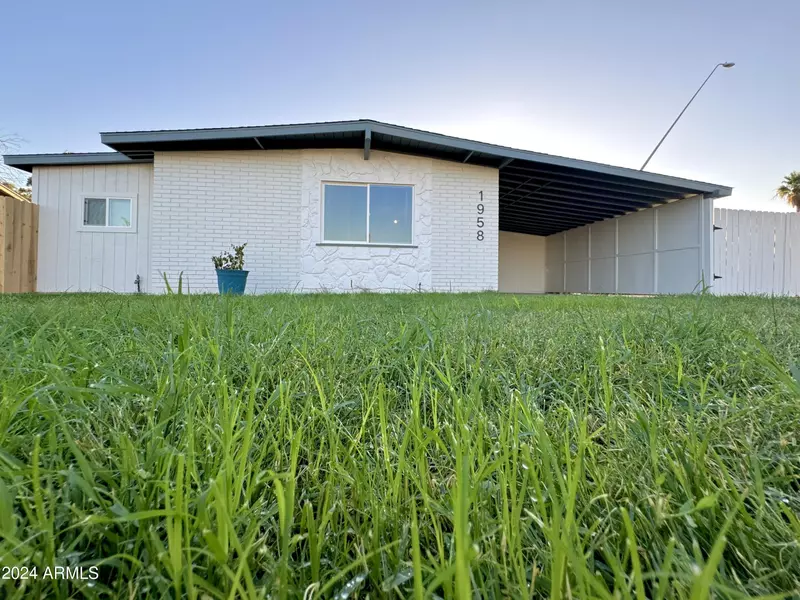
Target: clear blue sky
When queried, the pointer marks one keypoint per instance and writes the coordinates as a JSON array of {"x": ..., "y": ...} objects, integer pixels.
[{"x": 595, "y": 80}]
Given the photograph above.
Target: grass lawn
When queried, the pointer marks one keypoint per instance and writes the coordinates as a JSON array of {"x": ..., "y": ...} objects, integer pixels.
[{"x": 400, "y": 446}]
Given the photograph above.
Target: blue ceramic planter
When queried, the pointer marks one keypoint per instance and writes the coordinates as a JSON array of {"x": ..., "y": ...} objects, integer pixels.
[{"x": 231, "y": 282}]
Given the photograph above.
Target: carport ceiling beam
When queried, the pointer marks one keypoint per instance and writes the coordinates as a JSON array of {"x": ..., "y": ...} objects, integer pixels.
[
  {"x": 505, "y": 225},
  {"x": 468, "y": 156},
  {"x": 367, "y": 142},
  {"x": 541, "y": 199},
  {"x": 528, "y": 230},
  {"x": 588, "y": 185},
  {"x": 577, "y": 200},
  {"x": 550, "y": 217},
  {"x": 644, "y": 201},
  {"x": 505, "y": 163},
  {"x": 519, "y": 170},
  {"x": 556, "y": 216},
  {"x": 562, "y": 207},
  {"x": 543, "y": 230},
  {"x": 541, "y": 225}
]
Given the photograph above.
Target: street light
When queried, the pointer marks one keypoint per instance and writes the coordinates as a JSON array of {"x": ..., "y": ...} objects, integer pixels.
[{"x": 725, "y": 65}]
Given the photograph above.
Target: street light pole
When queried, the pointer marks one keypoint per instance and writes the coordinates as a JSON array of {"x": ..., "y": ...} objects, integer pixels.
[{"x": 725, "y": 65}]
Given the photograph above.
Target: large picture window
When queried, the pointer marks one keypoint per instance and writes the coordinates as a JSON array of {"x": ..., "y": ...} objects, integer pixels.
[{"x": 367, "y": 213}]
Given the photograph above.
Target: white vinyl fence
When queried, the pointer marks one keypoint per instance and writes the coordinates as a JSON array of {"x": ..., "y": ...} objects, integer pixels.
[{"x": 756, "y": 252}]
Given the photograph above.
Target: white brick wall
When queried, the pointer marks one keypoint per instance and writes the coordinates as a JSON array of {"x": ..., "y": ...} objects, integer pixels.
[
  {"x": 205, "y": 201},
  {"x": 460, "y": 261}
]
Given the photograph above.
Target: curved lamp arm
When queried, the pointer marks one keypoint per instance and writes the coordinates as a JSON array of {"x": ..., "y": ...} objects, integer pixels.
[{"x": 726, "y": 65}]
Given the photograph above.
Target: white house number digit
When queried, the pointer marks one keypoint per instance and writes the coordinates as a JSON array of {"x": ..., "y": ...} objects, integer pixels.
[{"x": 480, "y": 218}]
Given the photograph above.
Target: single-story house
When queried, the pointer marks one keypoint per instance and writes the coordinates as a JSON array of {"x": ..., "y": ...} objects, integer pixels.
[{"x": 361, "y": 205}]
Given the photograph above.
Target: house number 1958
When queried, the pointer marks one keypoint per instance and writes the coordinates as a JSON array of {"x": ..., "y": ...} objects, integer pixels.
[{"x": 480, "y": 218}]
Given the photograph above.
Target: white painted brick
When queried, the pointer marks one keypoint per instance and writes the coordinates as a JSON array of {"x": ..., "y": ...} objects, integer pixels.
[
  {"x": 460, "y": 262},
  {"x": 205, "y": 201}
]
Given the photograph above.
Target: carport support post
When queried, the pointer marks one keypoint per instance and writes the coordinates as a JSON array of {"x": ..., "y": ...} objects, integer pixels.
[{"x": 655, "y": 249}]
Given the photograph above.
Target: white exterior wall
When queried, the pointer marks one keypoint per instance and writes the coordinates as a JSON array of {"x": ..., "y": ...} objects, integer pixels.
[
  {"x": 662, "y": 250},
  {"x": 71, "y": 260},
  {"x": 460, "y": 261},
  {"x": 205, "y": 201},
  {"x": 521, "y": 263}
]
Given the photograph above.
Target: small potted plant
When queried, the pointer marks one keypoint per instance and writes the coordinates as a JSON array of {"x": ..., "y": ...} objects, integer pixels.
[{"x": 231, "y": 276}]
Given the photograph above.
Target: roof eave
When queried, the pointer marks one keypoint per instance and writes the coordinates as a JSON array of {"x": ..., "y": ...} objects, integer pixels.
[
  {"x": 504, "y": 155},
  {"x": 110, "y": 138},
  {"x": 26, "y": 162}
]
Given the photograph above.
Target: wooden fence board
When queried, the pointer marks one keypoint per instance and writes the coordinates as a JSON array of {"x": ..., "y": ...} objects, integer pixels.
[{"x": 19, "y": 238}]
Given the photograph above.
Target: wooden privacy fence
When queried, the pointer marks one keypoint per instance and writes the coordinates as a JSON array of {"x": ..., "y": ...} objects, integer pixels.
[
  {"x": 756, "y": 252},
  {"x": 19, "y": 239}
]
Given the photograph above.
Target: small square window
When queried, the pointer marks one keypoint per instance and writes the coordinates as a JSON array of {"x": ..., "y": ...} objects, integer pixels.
[{"x": 114, "y": 214}]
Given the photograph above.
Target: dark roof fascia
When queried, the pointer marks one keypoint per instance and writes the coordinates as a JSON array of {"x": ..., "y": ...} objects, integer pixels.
[
  {"x": 504, "y": 154},
  {"x": 110, "y": 138},
  {"x": 26, "y": 162}
]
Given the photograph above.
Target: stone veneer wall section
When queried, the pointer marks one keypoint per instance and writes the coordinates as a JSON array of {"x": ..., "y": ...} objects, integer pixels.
[
  {"x": 205, "y": 201},
  {"x": 344, "y": 268}
]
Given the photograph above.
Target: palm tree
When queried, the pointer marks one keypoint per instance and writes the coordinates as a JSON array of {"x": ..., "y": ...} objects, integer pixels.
[{"x": 790, "y": 189}]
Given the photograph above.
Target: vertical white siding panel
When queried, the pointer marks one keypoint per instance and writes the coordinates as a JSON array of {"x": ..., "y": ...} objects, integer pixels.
[
  {"x": 144, "y": 246},
  {"x": 62, "y": 227},
  {"x": 82, "y": 183},
  {"x": 73, "y": 260},
  {"x": 104, "y": 244},
  {"x": 45, "y": 193},
  {"x": 125, "y": 183},
  {"x": 131, "y": 242},
  {"x": 116, "y": 278}
]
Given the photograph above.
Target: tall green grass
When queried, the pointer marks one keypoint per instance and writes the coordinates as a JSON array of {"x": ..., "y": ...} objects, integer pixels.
[{"x": 449, "y": 446}]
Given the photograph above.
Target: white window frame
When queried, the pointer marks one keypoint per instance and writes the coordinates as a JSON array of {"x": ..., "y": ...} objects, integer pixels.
[
  {"x": 108, "y": 228},
  {"x": 366, "y": 184}
]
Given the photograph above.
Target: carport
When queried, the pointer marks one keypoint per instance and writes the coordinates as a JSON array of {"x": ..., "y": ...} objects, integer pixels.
[{"x": 594, "y": 228}]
